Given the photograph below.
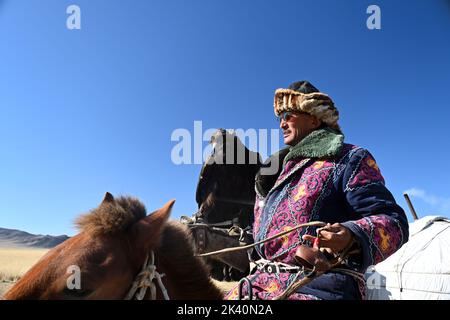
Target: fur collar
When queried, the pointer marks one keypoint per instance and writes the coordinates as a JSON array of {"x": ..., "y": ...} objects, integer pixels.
[{"x": 322, "y": 143}]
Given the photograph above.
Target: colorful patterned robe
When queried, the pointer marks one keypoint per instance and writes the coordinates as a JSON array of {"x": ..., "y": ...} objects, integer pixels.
[{"x": 347, "y": 188}]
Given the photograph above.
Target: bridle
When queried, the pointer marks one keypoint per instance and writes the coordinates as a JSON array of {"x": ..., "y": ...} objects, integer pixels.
[
  {"x": 145, "y": 280},
  {"x": 226, "y": 228},
  {"x": 223, "y": 227}
]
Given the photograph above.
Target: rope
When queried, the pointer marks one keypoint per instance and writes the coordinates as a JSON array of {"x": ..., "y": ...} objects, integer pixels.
[
  {"x": 313, "y": 274},
  {"x": 191, "y": 223},
  {"x": 295, "y": 285},
  {"x": 278, "y": 235},
  {"x": 352, "y": 273},
  {"x": 144, "y": 281}
]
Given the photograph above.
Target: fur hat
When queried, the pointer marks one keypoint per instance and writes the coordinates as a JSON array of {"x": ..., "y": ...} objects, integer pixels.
[{"x": 303, "y": 96}]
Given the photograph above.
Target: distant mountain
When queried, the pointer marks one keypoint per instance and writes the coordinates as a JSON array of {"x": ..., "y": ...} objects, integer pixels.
[{"x": 17, "y": 238}]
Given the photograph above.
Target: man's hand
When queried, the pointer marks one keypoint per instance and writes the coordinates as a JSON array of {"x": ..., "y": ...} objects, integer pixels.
[{"x": 333, "y": 237}]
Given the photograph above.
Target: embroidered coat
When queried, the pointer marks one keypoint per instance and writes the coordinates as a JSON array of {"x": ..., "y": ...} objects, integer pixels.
[{"x": 323, "y": 179}]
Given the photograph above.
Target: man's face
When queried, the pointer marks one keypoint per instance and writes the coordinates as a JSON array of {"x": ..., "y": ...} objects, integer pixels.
[{"x": 296, "y": 126}]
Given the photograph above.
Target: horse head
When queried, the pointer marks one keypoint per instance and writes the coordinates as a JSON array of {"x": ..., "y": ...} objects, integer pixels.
[{"x": 114, "y": 240}]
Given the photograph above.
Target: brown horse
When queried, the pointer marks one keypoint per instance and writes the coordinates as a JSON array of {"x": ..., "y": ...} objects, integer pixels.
[{"x": 110, "y": 251}]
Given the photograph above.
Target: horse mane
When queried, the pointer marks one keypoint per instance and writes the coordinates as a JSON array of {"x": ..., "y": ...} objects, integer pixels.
[{"x": 112, "y": 217}]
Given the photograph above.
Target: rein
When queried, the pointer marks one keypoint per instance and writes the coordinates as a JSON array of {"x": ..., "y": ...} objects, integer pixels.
[
  {"x": 278, "y": 235},
  {"x": 145, "y": 280},
  {"x": 313, "y": 274},
  {"x": 310, "y": 276}
]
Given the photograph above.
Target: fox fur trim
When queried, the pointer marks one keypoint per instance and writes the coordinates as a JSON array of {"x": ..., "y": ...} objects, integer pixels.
[{"x": 316, "y": 104}]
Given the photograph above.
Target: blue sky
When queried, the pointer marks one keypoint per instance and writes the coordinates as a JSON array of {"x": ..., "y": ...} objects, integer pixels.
[{"x": 92, "y": 110}]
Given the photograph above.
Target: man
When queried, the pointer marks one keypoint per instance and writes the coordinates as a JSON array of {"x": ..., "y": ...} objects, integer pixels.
[{"x": 321, "y": 178}]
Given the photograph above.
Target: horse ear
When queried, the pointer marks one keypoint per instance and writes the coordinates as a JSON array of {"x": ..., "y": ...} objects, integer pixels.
[
  {"x": 108, "y": 198},
  {"x": 147, "y": 231}
]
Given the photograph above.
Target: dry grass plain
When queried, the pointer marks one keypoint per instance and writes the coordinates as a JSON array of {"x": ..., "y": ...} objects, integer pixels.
[{"x": 14, "y": 262}]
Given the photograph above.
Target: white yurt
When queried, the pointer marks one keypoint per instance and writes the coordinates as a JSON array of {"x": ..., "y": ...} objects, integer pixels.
[{"x": 420, "y": 269}]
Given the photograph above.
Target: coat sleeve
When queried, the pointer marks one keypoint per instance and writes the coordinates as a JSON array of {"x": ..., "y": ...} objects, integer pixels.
[{"x": 379, "y": 224}]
